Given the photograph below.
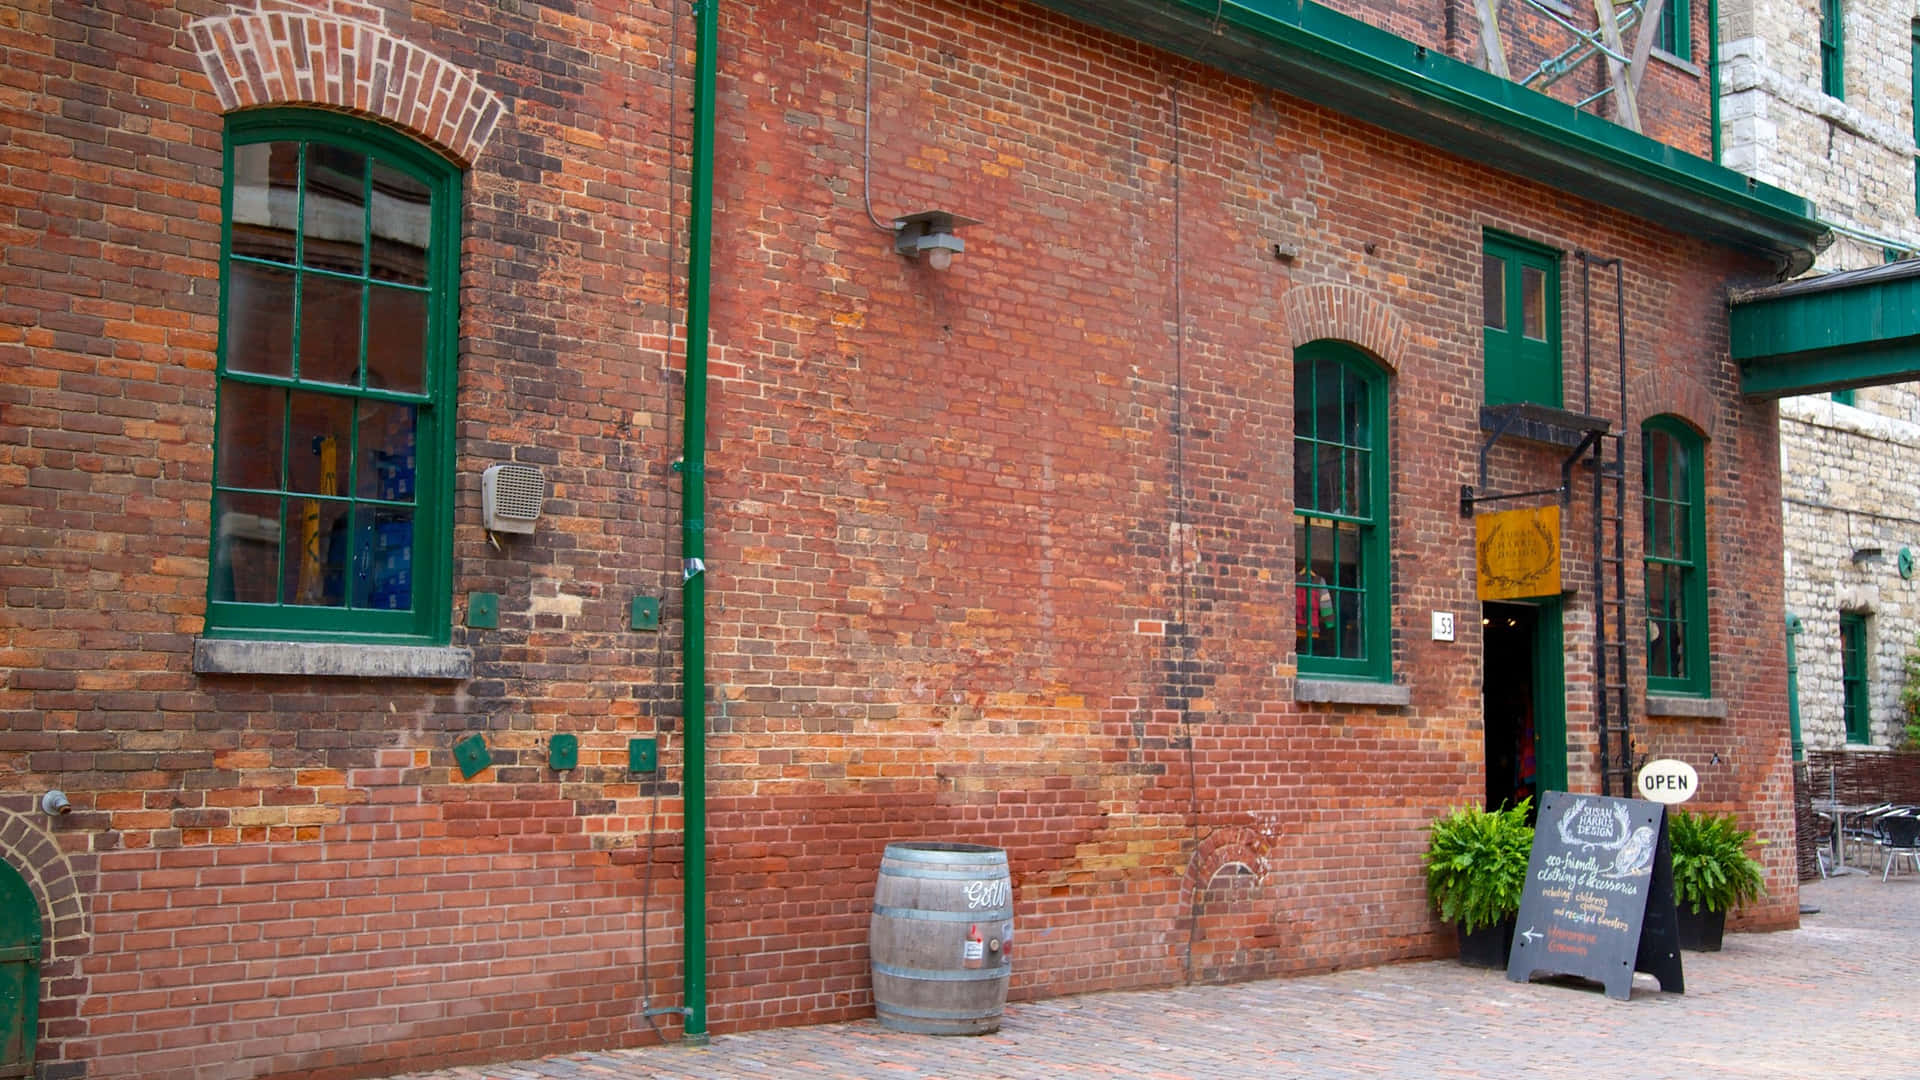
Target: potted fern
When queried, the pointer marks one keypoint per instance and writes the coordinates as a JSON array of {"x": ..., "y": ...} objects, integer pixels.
[
  {"x": 1712, "y": 874},
  {"x": 1476, "y": 870}
]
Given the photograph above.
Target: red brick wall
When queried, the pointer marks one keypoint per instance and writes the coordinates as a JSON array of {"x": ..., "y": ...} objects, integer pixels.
[
  {"x": 1673, "y": 99},
  {"x": 997, "y": 555}
]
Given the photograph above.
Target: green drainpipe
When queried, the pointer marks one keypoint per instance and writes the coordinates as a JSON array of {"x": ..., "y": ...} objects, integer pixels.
[
  {"x": 1793, "y": 686},
  {"x": 693, "y": 549},
  {"x": 1713, "y": 77}
]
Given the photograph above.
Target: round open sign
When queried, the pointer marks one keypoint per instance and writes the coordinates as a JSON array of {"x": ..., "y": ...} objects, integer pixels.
[{"x": 1668, "y": 781}]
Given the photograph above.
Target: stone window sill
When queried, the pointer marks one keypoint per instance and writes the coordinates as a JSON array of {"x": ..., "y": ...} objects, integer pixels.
[
  {"x": 1689, "y": 707},
  {"x": 1343, "y": 692},
  {"x": 1671, "y": 60},
  {"x": 225, "y": 656}
]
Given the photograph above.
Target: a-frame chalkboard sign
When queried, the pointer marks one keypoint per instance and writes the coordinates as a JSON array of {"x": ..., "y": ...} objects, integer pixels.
[{"x": 1599, "y": 897}]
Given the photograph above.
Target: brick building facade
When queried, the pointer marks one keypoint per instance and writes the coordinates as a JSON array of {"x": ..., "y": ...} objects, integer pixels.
[{"x": 1004, "y": 553}]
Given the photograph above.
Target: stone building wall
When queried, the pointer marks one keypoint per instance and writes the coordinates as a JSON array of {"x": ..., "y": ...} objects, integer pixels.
[
  {"x": 1852, "y": 156},
  {"x": 1847, "y": 469},
  {"x": 1848, "y": 484}
]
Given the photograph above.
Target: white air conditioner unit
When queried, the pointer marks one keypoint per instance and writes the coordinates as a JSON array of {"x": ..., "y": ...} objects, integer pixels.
[{"x": 511, "y": 496}]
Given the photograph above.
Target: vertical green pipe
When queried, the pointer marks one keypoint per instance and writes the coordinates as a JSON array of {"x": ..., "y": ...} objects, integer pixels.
[
  {"x": 693, "y": 549},
  {"x": 1793, "y": 686},
  {"x": 1713, "y": 74}
]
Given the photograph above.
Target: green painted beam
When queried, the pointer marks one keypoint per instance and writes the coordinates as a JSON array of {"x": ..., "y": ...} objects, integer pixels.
[
  {"x": 1821, "y": 373},
  {"x": 1322, "y": 56},
  {"x": 1861, "y": 328}
]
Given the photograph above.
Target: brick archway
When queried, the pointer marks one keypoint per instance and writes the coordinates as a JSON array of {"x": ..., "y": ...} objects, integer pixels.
[
  {"x": 1672, "y": 393},
  {"x": 1344, "y": 313},
  {"x": 288, "y": 55},
  {"x": 62, "y": 884}
]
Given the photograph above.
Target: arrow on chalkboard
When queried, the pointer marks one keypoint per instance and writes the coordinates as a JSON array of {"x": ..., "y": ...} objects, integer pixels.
[{"x": 1528, "y": 935}]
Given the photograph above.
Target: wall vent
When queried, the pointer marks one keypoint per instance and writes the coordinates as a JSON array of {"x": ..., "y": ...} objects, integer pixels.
[{"x": 510, "y": 497}]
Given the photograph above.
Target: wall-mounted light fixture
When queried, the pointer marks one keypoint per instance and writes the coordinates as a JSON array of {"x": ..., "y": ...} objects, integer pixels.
[{"x": 930, "y": 233}]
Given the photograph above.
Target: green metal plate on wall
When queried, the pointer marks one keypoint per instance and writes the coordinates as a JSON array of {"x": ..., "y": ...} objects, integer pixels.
[
  {"x": 646, "y": 613},
  {"x": 473, "y": 755},
  {"x": 563, "y": 752},
  {"x": 643, "y": 755},
  {"x": 483, "y": 610},
  {"x": 1906, "y": 563}
]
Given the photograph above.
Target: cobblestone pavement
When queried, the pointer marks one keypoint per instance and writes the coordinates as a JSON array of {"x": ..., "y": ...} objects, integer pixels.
[{"x": 1833, "y": 999}]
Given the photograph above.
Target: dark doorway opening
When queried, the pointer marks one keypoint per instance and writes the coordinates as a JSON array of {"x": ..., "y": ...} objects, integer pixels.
[{"x": 1510, "y": 696}]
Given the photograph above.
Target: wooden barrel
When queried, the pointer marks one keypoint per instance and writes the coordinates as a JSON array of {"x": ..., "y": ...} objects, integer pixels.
[{"x": 941, "y": 938}]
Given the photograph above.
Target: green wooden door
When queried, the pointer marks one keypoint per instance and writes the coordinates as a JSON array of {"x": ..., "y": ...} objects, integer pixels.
[
  {"x": 19, "y": 973},
  {"x": 1550, "y": 698}
]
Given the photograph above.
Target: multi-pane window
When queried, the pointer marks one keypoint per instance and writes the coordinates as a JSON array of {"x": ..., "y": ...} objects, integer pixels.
[
  {"x": 1674, "y": 511},
  {"x": 1854, "y": 702},
  {"x": 1672, "y": 34},
  {"x": 331, "y": 487},
  {"x": 1340, "y": 475},
  {"x": 1833, "y": 49},
  {"x": 1520, "y": 309}
]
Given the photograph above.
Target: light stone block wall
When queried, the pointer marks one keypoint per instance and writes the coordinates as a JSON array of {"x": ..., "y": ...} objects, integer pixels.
[
  {"x": 1852, "y": 157},
  {"x": 1849, "y": 474},
  {"x": 1849, "y": 478}
]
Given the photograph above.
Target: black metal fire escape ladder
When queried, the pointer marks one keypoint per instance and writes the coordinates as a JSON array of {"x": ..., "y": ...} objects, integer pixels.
[
  {"x": 1595, "y": 442},
  {"x": 1613, "y": 716}
]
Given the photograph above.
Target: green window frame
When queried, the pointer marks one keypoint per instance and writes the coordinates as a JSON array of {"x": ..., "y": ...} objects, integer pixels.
[
  {"x": 1520, "y": 313},
  {"x": 1674, "y": 33},
  {"x": 1673, "y": 470},
  {"x": 1833, "y": 49},
  {"x": 1342, "y": 591},
  {"x": 333, "y": 446},
  {"x": 1856, "y": 705}
]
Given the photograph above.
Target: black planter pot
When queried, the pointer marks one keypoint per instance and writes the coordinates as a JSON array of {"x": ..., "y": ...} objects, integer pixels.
[
  {"x": 1488, "y": 946},
  {"x": 1701, "y": 932}
]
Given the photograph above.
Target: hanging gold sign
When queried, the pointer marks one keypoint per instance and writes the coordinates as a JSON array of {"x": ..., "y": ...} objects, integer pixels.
[{"x": 1518, "y": 553}]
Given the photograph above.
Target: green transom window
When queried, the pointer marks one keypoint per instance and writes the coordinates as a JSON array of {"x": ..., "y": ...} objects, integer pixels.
[
  {"x": 332, "y": 493},
  {"x": 1340, "y": 474}
]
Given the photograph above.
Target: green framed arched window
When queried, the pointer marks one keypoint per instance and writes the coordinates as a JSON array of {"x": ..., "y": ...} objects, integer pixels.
[
  {"x": 1342, "y": 599},
  {"x": 333, "y": 486},
  {"x": 1674, "y": 512}
]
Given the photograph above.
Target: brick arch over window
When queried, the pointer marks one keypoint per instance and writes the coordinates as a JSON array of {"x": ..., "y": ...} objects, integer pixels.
[
  {"x": 1672, "y": 393},
  {"x": 1344, "y": 313},
  {"x": 298, "y": 56},
  {"x": 62, "y": 884}
]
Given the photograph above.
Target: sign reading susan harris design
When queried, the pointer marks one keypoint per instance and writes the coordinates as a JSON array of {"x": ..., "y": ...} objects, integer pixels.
[
  {"x": 1598, "y": 902},
  {"x": 1517, "y": 553}
]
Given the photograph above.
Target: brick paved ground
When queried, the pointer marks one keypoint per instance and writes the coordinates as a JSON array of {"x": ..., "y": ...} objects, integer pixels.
[{"x": 1832, "y": 999}]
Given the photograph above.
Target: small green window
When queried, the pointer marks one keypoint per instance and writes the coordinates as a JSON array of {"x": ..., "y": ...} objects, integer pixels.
[
  {"x": 1842, "y": 397},
  {"x": 1854, "y": 701},
  {"x": 1340, "y": 472},
  {"x": 332, "y": 489},
  {"x": 1520, "y": 315},
  {"x": 1674, "y": 34},
  {"x": 1833, "y": 49},
  {"x": 1674, "y": 512}
]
